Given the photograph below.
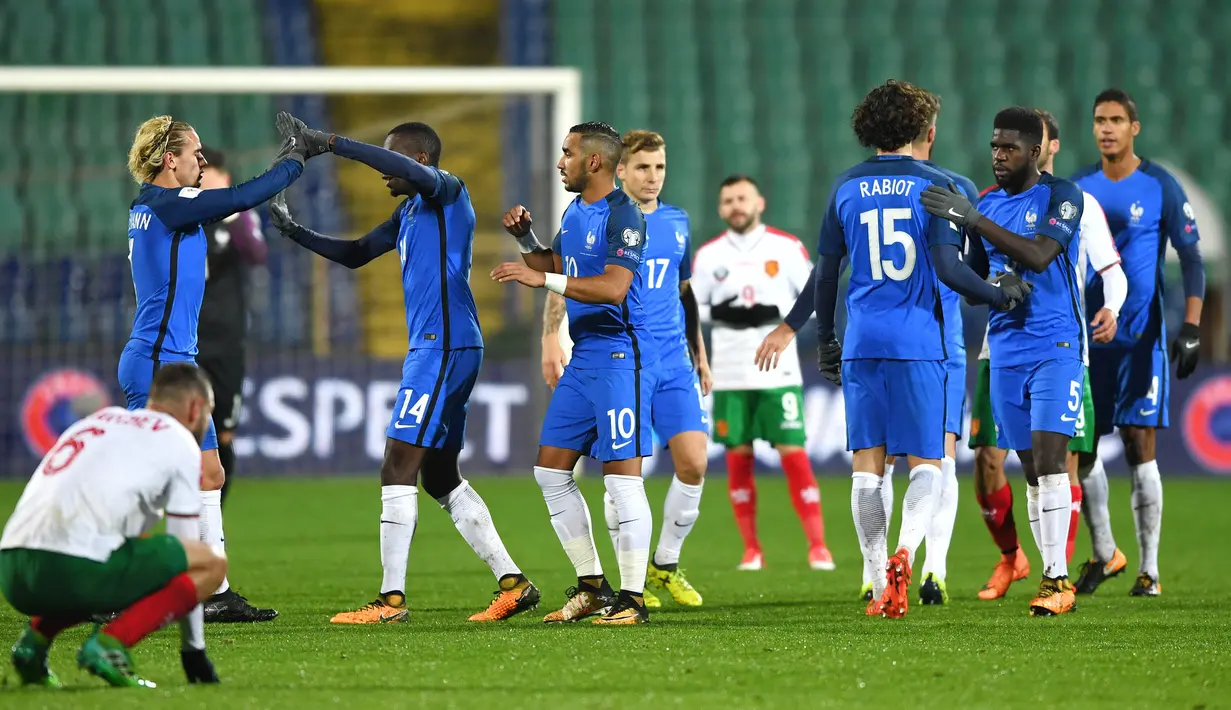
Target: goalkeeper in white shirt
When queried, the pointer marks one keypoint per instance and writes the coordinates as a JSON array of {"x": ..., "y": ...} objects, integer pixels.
[
  {"x": 745, "y": 281},
  {"x": 1097, "y": 256},
  {"x": 78, "y": 543}
]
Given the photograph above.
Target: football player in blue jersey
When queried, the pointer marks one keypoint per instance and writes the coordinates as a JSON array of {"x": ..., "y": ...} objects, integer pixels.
[
  {"x": 433, "y": 233},
  {"x": 168, "y": 248},
  {"x": 933, "y": 589},
  {"x": 894, "y": 387},
  {"x": 1038, "y": 350},
  {"x": 601, "y": 406},
  {"x": 1145, "y": 206}
]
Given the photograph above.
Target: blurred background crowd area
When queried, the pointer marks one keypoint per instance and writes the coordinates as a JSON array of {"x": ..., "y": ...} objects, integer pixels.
[{"x": 762, "y": 87}]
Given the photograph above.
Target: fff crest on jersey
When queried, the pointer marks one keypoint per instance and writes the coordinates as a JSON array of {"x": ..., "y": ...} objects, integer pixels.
[
  {"x": 681, "y": 239},
  {"x": 771, "y": 268},
  {"x": 1068, "y": 210},
  {"x": 590, "y": 239},
  {"x": 1031, "y": 218},
  {"x": 1136, "y": 212},
  {"x": 631, "y": 237}
]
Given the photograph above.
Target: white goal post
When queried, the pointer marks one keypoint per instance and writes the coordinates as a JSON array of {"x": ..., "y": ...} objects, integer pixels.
[{"x": 563, "y": 84}]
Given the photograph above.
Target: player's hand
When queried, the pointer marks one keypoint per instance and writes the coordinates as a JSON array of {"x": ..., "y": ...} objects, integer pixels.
[
  {"x": 280, "y": 214},
  {"x": 1184, "y": 350},
  {"x": 1014, "y": 289},
  {"x": 778, "y": 340},
  {"x": 705, "y": 376},
  {"x": 829, "y": 359},
  {"x": 1104, "y": 325},
  {"x": 553, "y": 359},
  {"x": 197, "y": 667},
  {"x": 951, "y": 205},
  {"x": 517, "y": 221},
  {"x": 522, "y": 274},
  {"x": 307, "y": 142}
]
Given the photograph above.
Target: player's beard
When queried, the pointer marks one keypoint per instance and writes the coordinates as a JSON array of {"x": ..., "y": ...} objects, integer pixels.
[{"x": 741, "y": 223}]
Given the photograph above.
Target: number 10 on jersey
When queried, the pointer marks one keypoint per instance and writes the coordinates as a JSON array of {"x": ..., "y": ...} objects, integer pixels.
[{"x": 882, "y": 231}]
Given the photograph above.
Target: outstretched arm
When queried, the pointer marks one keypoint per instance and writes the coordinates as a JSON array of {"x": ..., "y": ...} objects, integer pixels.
[
  {"x": 428, "y": 181},
  {"x": 962, "y": 279},
  {"x": 351, "y": 253},
  {"x": 805, "y": 305},
  {"x": 190, "y": 206}
]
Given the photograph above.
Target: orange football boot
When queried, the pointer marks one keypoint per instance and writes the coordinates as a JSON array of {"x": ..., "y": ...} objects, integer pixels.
[
  {"x": 894, "y": 600},
  {"x": 1010, "y": 569},
  {"x": 1056, "y": 596},
  {"x": 516, "y": 594},
  {"x": 385, "y": 609}
]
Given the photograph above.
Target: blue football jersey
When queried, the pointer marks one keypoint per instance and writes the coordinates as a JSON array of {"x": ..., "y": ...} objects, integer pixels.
[
  {"x": 167, "y": 249},
  {"x": 667, "y": 260},
  {"x": 1049, "y": 324},
  {"x": 1143, "y": 210},
  {"x": 955, "y": 338},
  {"x": 435, "y": 241},
  {"x": 893, "y": 301},
  {"x": 609, "y": 231}
]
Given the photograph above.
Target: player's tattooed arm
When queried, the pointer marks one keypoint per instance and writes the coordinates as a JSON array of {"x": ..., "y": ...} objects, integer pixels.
[
  {"x": 553, "y": 314},
  {"x": 554, "y": 358}
]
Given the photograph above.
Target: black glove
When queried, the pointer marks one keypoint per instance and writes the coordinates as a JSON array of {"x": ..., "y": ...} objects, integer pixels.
[
  {"x": 951, "y": 205},
  {"x": 1184, "y": 350},
  {"x": 307, "y": 142},
  {"x": 829, "y": 359},
  {"x": 280, "y": 215},
  {"x": 1014, "y": 289},
  {"x": 744, "y": 317},
  {"x": 197, "y": 667}
]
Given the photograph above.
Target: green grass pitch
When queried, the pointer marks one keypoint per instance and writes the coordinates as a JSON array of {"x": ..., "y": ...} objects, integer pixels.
[{"x": 783, "y": 637}]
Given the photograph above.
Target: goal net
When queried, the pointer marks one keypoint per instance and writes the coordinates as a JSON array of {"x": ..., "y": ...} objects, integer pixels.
[{"x": 324, "y": 344}]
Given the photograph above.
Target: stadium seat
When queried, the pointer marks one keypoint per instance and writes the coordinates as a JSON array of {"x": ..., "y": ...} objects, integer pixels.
[
  {"x": 83, "y": 39},
  {"x": 576, "y": 28},
  {"x": 32, "y": 35},
  {"x": 628, "y": 97},
  {"x": 189, "y": 48},
  {"x": 237, "y": 26},
  {"x": 132, "y": 25},
  {"x": 1141, "y": 68}
]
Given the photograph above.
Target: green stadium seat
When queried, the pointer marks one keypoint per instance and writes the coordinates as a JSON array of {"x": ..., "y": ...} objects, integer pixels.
[
  {"x": 133, "y": 24},
  {"x": 82, "y": 33},
  {"x": 628, "y": 98},
  {"x": 32, "y": 36},
  {"x": 45, "y": 118},
  {"x": 93, "y": 123},
  {"x": 1141, "y": 68},
  {"x": 12, "y": 219},
  {"x": 575, "y": 33},
  {"x": 237, "y": 26},
  {"x": 1193, "y": 60},
  {"x": 189, "y": 48}
]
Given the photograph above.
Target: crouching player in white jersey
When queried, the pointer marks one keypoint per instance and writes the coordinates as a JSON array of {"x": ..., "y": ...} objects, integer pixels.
[
  {"x": 601, "y": 405},
  {"x": 1097, "y": 249},
  {"x": 78, "y": 544},
  {"x": 894, "y": 387},
  {"x": 678, "y": 408},
  {"x": 1038, "y": 350}
]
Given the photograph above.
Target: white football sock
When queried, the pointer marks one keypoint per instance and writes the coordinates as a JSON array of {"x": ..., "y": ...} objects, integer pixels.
[
  {"x": 1094, "y": 496},
  {"x": 940, "y": 534},
  {"x": 886, "y": 490},
  {"x": 192, "y": 630},
  {"x": 636, "y": 528},
  {"x": 474, "y": 521},
  {"x": 680, "y": 512},
  {"x": 868, "y": 510},
  {"x": 1055, "y": 509},
  {"x": 918, "y": 507},
  {"x": 1032, "y": 514},
  {"x": 570, "y": 517},
  {"x": 399, "y": 516},
  {"x": 612, "y": 516},
  {"x": 1148, "y": 514},
  {"x": 210, "y": 524}
]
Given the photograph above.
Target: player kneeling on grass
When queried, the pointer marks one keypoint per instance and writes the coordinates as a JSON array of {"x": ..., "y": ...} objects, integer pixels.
[
  {"x": 893, "y": 387},
  {"x": 433, "y": 233},
  {"x": 77, "y": 544},
  {"x": 601, "y": 405}
]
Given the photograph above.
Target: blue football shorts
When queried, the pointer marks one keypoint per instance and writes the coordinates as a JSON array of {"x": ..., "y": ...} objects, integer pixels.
[
  {"x": 136, "y": 372},
  {"x": 1044, "y": 396},
  {"x": 1130, "y": 386},
  {"x": 434, "y": 397},
  {"x": 602, "y": 413},
  {"x": 677, "y": 405},
  {"x": 898, "y": 404}
]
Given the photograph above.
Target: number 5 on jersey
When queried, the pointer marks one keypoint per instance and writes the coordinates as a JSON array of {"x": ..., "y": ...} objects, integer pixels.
[{"x": 415, "y": 411}]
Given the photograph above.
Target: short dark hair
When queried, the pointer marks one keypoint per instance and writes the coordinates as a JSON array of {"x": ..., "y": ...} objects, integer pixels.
[
  {"x": 1053, "y": 128},
  {"x": 600, "y": 137},
  {"x": 216, "y": 158},
  {"x": 1025, "y": 121},
  {"x": 736, "y": 179},
  {"x": 174, "y": 380},
  {"x": 419, "y": 138},
  {"x": 1119, "y": 96},
  {"x": 892, "y": 115}
]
